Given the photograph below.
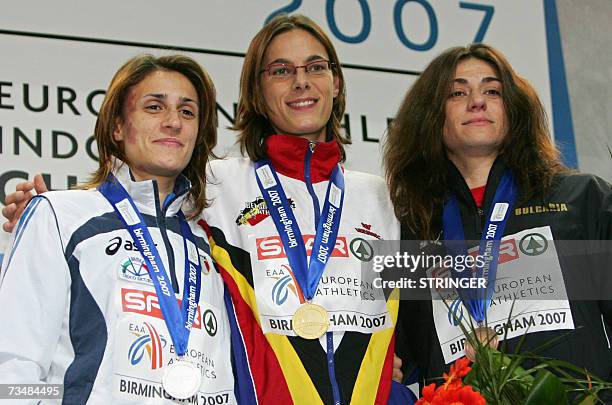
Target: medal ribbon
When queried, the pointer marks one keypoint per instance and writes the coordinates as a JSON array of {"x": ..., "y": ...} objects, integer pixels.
[
  {"x": 307, "y": 273},
  {"x": 179, "y": 320},
  {"x": 477, "y": 300}
]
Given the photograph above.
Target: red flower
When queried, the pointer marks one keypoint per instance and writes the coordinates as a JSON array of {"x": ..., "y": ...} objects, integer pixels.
[
  {"x": 461, "y": 396},
  {"x": 457, "y": 371},
  {"x": 429, "y": 393},
  {"x": 452, "y": 392}
]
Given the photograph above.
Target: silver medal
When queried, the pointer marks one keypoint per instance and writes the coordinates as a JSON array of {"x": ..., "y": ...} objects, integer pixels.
[{"x": 182, "y": 379}]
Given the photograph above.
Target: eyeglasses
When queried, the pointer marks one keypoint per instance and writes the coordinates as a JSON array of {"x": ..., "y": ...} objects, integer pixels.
[{"x": 286, "y": 70}]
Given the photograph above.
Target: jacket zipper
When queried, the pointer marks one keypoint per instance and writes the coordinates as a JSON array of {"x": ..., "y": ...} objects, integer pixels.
[
  {"x": 317, "y": 216},
  {"x": 308, "y": 181},
  {"x": 161, "y": 223},
  {"x": 480, "y": 224}
]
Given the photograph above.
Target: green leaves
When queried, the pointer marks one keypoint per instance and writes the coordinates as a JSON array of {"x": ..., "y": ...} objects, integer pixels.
[
  {"x": 502, "y": 380},
  {"x": 589, "y": 400},
  {"x": 499, "y": 377},
  {"x": 547, "y": 388}
]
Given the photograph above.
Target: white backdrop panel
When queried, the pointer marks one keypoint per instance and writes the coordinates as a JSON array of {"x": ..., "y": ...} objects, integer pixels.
[{"x": 70, "y": 49}]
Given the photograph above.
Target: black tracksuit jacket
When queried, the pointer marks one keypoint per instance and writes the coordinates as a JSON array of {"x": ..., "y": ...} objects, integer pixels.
[{"x": 576, "y": 207}]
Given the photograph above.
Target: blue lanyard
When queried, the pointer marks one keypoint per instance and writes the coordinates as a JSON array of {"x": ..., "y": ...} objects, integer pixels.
[
  {"x": 477, "y": 300},
  {"x": 307, "y": 273},
  {"x": 178, "y": 320}
]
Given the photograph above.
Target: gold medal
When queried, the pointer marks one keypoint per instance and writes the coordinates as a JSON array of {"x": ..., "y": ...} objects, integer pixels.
[
  {"x": 310, "y": 321},
  {"x": 484, "y": 335}
]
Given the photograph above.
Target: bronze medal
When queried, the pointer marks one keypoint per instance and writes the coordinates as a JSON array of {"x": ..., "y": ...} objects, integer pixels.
[
  {"x": 310, "y": 321},
  {"x": 483, "y": 334}
]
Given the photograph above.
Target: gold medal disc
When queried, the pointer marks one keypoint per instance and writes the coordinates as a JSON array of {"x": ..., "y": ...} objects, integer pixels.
[
  {"x": 484, "y": 335},
  {"x": 310, "y": 321}
]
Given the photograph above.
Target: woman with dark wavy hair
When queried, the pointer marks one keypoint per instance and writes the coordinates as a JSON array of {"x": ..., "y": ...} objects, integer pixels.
[
  {"x": 416, "y": 155},
  {"x": 469, "y": 157}
]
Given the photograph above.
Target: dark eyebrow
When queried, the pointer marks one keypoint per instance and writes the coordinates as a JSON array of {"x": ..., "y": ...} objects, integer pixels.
[
  {"x": 284, "y": 61},
  {"x": 280, "y": 60},
  {"x": 156, "y": 95},
  {"x": 162, "y": 96},
  {"x": 188, "y": 100},
  {"x": 315, "y": 57},
  {"x": 487, "y": 79}
]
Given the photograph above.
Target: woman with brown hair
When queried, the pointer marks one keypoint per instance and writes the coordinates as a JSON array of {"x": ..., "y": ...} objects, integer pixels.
[
  {"x": 469, "y": 157},
  {"x": 288, "y": 230},
  {"x": 110, "y": 287}
]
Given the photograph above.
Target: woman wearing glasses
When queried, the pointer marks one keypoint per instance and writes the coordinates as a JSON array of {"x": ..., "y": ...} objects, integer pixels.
[{"x": 290, "y": 228}]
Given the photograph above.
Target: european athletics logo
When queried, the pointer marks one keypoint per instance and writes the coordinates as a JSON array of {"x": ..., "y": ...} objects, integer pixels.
[
  {"x": 151, "y": 342},
  {"x": 285, "y": 282},
  {"x": 280, "y": 291},
  {"x": 455, "y": 312}
]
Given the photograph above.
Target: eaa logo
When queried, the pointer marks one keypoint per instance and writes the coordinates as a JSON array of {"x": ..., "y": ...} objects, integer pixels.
[
  {"x": 116, "y": 243},
  {"x": 135, "y": 269},
  {"x": 285, "y": 283},
  {"x": 146, "y": 303},
  {"x": 271, "y": 247},
  {"x": 455, "y": 312},
  {"x": 148, "y": 341}
]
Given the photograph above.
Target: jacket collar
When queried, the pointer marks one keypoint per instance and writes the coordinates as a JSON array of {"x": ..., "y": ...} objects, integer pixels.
[
  {"x": 144, "y": 193},
  {"x": 288, "y": 155},
  {"x": 460, "y": 187}
]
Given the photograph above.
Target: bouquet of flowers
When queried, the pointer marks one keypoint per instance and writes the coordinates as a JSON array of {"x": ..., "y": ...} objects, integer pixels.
[{"x": 499, "y": 378}]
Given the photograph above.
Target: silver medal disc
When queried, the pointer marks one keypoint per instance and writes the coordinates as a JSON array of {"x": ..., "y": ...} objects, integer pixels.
[{"x": 182, "y": 379}]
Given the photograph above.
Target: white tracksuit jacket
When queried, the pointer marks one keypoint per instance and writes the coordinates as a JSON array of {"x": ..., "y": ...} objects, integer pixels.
[
  {"x": 284, "y": 368},
  {"x": 77, "y": 306}
]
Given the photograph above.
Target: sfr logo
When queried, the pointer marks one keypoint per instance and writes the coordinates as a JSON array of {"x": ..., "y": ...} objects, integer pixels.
[
  {"x": 271, "y": 247},
  {"x": 146, "y": 303}
]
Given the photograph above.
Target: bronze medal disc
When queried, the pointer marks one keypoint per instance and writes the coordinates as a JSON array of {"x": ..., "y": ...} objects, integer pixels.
[
  {"x": 486, "y": 336},
  {"x": 310, "y": 321}
]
